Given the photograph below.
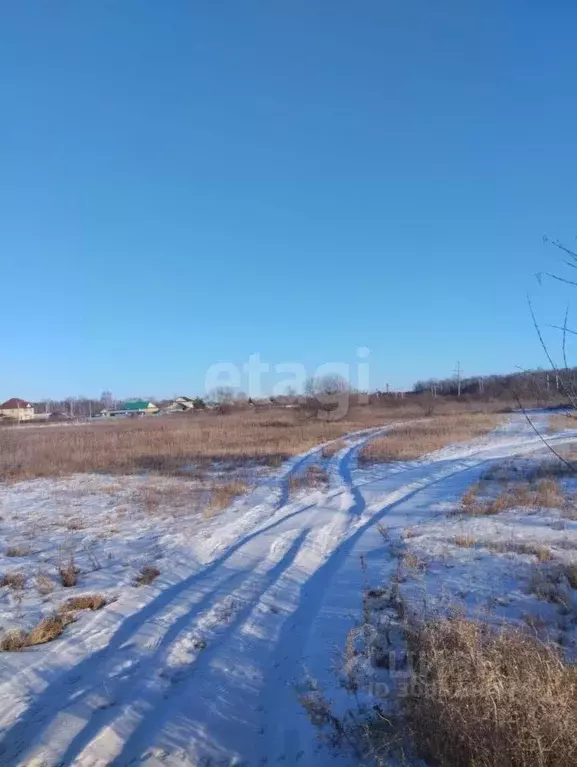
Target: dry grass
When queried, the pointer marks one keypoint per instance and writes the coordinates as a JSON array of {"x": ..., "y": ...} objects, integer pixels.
[
  {"x": 333, "y": 448},
  {"x": 561, "y": 422},
  {"x": 177, "y": 496},
  {"x": 313, "y": 477},
  {"x": 546, "y": 494},
  {"x": 147, "y": 575},
  {"x": 171, "y": 445},
  {"x": 68, "y": 572},
  {"x": 413, "y": 561},
  {"x": 18, "y": 551},
  {"x": 551, "y": 584},
  {"x": 466, "y": 541},
  {"x": 490, "y": 699},
  {"x": 221, "y": 496},
  {"x": 14, "y": 581},
  {"x": 46, "y": 631},
  {"x": 85, "y": 602},
  {"x": 44, "y": 583},
  {"x": 543, "y": 553},
  {"x": 412, "y": 440}
]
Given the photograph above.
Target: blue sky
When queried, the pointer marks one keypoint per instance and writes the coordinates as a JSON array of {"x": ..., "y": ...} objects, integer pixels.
[{"x": 186, "y": 183}]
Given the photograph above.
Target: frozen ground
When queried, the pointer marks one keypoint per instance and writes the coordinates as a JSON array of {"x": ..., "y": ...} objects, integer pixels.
[{"x": 199, "y": 666}]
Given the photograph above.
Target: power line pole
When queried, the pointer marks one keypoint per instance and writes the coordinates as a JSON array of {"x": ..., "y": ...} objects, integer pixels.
[{"x": 458, "y": 374}]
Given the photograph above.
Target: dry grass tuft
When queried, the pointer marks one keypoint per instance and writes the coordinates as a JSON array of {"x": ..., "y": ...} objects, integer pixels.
[
  {"x": 414, "y": 562},
  {"x": 85, "y": 602},
  {"x": 147, "y": 575},
  {"x": 46, "y": 631},
  {"x": 465, "y": 540},
  {"x": 412, "y": 440},
  {"x": 18, "y": 551},
  {"x": 222, "y": 496},
  {"x": 543, "y": 553},
  {"x": 490, "y": 699},
  {"x": 68, "y": 572},
  {"x": 15, "y": 581},
  {"x": 333, "y": 448},
  {"x": 44, "y": 584},
  {"x": 546, "y": 494},
  {"x": 313, "y": 477}
]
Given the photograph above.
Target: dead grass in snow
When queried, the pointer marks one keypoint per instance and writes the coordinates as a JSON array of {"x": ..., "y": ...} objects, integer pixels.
[
  {"x": 545, "y": 493},
  {"x": 490, "y": 698},
  {"x": 147, "y": 575},
  {"x": 413, "y": 440},
  {"x": 46, "y": 631}
]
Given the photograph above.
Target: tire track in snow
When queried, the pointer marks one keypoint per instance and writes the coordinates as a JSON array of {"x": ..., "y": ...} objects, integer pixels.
[
  {"x": 150, "y": 719},
  {"x": 137, "y": 701}
]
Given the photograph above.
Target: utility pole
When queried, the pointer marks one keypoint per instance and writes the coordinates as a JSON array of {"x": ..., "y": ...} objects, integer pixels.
[{"x": 458, "y": 374}]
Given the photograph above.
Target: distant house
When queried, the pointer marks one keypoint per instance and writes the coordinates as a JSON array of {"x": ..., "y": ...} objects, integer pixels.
[
  {"x": 18, "y": 409},
  {"x": 180, "y": 405},
  {"x": 140, "y": 407}
]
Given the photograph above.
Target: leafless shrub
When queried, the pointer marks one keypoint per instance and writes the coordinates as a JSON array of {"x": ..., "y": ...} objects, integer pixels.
[
  {"x": 44, "y": 584},
  {"x": 147, "y": 575},
  {"x": 14, "y": 581},
  {"x": 68, "y": 571}
]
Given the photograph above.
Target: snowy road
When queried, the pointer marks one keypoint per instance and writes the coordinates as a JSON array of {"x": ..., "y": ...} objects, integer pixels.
[{"x": 203, "y": 672}]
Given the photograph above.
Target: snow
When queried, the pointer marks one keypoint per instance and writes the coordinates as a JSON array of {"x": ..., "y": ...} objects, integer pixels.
[{"x": 200, "y": 666}]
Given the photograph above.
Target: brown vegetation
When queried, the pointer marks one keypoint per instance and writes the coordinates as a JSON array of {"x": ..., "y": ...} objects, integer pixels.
[
  {"x": 13, "y": 581},
  {"x": 221, "y": 496},
  {"x": 171, "y": 445},
  {"x": 412, "y": 440},
  {"x": 546, "y": 494},
  {"x": 313, "y": 477},
  {"x": 333, "y": 448},
  {"x": 490, "y": 699},
  {"x": 562, "y": 421},
  {"x": 85, "y": 602},
  {"x": 47, "y": 630},
  {"x": 147, "y": 574},
  {"x": 465, "y": 541},
  {"x": 68, "y": 572},
  {"x": 17, "y": 551}
]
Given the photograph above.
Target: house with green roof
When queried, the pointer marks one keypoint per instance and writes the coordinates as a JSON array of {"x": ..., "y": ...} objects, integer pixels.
[
  {"x": 140, "y": 406},
  {"x": 133, "y": 408}
]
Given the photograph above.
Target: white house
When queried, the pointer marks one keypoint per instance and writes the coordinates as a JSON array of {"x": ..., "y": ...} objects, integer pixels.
[{"x": 18, "y": 409}]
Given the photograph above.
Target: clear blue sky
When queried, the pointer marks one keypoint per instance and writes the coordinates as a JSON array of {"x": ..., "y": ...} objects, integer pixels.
[{"x": 189, "y": 182}]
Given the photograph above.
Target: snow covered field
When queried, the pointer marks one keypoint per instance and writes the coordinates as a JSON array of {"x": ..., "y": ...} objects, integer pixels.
[{"x": 198, "y": 667}]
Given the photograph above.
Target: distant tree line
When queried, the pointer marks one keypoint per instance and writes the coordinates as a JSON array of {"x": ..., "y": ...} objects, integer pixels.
[{"x": 529, "y": 384}]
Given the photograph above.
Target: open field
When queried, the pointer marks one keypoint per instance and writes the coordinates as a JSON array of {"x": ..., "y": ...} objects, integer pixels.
[
  {"x": 176, "y": 445},
  {"x": 412, "y": 440},
  {"x": 128, "y": 597}
]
